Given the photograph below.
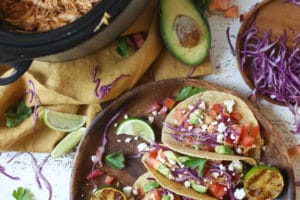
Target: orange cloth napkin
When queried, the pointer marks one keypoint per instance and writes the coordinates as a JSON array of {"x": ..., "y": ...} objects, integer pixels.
[{"x": 68, "y": 86}]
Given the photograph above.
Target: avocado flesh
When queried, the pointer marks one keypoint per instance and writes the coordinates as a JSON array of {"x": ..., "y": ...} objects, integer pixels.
[{"x": 184, "y": 31}]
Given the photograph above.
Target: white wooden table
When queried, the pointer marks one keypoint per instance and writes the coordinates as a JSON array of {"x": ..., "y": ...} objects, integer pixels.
[{"x": 225, "y": 72}]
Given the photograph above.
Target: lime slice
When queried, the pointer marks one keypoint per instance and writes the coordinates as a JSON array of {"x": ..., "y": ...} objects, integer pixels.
[
  {"x": 136, "y": 127},
  {"x": 63, "y": 122},
  {"x": 68, "y": 142},
  {"x": 263, "y": 182},
  {"x": 108, "y": 193}
]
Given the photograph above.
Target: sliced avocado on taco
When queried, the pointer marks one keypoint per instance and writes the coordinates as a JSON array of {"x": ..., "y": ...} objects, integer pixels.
[
  {"x": 199, "y": 178},
  {"x": 214, "y": 124},
  {"x": 149, "y": 189}
]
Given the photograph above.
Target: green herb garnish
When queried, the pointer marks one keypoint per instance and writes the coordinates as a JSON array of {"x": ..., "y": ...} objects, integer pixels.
[
  {"x": 193, "y": 163},
  {"x": 150, "y": 186},
  {"x": 122, "y": 47},
  {"x": 16, "y": 114},
  {"x": 188, "y": 91},
  {"x": 22, "y": 194},
  {"x": 202, "y": 4},
  {"x": 115, "y": 160}
]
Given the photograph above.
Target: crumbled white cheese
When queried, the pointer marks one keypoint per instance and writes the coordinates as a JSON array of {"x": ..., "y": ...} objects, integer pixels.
[
  {"x": 154, "y": 113},
  {"x": 125, "y": 116},
  {"x": 128, "y": 140},
  {"x": 187, "y": 184},
  {"x": 127, "y": 191},
  {"x": 238, "y": 150},
  {"x": 239, "y": 193},
  {"x": 151, "y": 119},
  {"x": 118, "y": 140},
  {"x": 94, "y": 158},
  {"x": 235, "y": 165},
  {"x": 221, "y": 127},
  {"x": 183, "y": 111},
  {"x": 214, "y": 122},
  {"x": 171, "y": 177},
  {"x": 172, "y": 162},
  {"x": 142, "y": 146},
  {"x": 190, "y": 107},
  {"x": 215, "y": 174},
  {"x": 264, "y": 148},
  {"x": 232, "y": 136},
  {"x": 219, "y": 117},
  {"x": 229, "y": 105},
  {"x": 202, "y": 105},
  {"x": 171, "y": 196},
  {"x": 204, "y": 127},
  {"x": 190, "y": 128},
  {"x": 135, "y": 192},
  {"x": 136, "y": 138},
  {"x": 272, "y": 96},
  {"x": 222, "y": 167},
  {"x": 115, "y": 124},
  {"x": 220, "y": 138}
]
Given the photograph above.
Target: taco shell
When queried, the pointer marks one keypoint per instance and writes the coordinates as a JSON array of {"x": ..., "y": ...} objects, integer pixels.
[{"x": 210, "y": 98}]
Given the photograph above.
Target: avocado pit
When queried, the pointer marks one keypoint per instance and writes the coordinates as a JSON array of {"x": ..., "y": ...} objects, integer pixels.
[{"x": 187, "y": 31}]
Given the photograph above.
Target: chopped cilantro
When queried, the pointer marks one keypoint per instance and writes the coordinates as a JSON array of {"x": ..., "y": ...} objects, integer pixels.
[
  {"x": 22, "y": 194},
  {"x": 122, "y": 47},
  {"x": 116, "y": 160},
  {"x": 150, "y": 186},
  {"x": 188, "y": 91},
  {"x": 194, "y": 163},
  {"x": 16, "y": 114}
]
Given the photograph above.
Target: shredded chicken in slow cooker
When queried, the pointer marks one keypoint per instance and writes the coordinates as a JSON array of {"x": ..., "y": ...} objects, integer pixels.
[{"x": 43, "y": 15}]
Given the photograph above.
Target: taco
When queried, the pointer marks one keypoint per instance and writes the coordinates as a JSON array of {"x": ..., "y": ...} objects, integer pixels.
[
  {"x": 194, "y": 177},
  {"x": 148, "y": 189},
  {"x": 214, "y": 124}
]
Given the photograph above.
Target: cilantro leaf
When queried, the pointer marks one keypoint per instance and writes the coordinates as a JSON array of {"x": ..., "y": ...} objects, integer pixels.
[
  {"x": 22, "y": 194},
  {"x": 122, "y": 47},
  {"x": 16, "y": 114},
  {"x": 194, "y": 163},
  {"x": 202, "y": 4},
  {"x": 116, "y": 160},
  {"x": 188, "y": 91}
]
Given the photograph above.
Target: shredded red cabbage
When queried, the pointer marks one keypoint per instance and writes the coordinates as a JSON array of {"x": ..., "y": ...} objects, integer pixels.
[
  {"x": 275, "y": 69},
  {"x": 34, "y": 98},
  {"x": 196, "y": 106},
  {"x": 229, "y": 41},
  {"x": 2, "y": 171},
  {"x": 14, "y": 156},
  {"x": 190, "y": 72},
  {"x": 295, "y": 2},
  {"x": 104, "y": 89},
  {"x": 38, "y": 174}
]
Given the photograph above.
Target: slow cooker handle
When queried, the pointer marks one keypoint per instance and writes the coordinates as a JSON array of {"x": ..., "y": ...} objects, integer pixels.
[{"x": 20, "y": 68}]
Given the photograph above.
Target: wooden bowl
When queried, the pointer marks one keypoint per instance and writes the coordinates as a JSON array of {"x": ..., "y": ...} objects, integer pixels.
[
  {"x": 134, "y": 103},
  {"x": 274, "y": 15}
]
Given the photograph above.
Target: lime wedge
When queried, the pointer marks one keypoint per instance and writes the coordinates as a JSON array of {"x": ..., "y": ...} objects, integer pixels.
[
  {"x": 68, "y": 142},
  {"x": 263, "y": 182},
  {"x": 108, "y": 193},
  {"x": 63, "y": 122},
  {"x": 136, "y": 127}
]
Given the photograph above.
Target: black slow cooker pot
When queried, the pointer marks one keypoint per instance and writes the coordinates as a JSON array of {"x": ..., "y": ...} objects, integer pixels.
[{"x": 72, "y": 41}]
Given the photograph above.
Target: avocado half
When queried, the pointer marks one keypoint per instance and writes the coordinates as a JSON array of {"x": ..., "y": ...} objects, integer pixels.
[{"x": 184, "y": 31}]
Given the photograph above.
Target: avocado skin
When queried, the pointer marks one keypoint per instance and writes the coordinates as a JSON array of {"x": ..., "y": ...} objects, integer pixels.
[{"x": 169, "y": 9}]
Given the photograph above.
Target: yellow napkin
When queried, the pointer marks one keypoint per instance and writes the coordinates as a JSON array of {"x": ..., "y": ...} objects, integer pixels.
[{"x": 68, "y": 86}]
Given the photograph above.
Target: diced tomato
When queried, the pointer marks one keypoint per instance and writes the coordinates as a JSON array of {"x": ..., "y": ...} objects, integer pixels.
[
  {"x": 207, "y": 147},
  {"x": 222, "y": 5},
  {"x": 186, "y": 124},
  {"x": 217, "y": 108},
  {"x": 232, "y": 12},
  {"x": 153, "y": 154},
  {"x": 255, "y": 131},
  {"x": 155, "y": 195},
  {"x": 213, "y": 114},
  {"x": 109, "y": 179},
  {"x": 138, "y": 39},
  {"x": 247, "y": 141},
  {"x": 152, "y": 162},
  {"x": 218, "y": 190},
  {"x": 213, "y": 5},
  {"x": 94, "y": 173},
  {"x": 178, "y": 115},
  {"x": 236, "y": 115},
  {"x": 154, "y": 107},
  {"x": 168, "y": 102}
]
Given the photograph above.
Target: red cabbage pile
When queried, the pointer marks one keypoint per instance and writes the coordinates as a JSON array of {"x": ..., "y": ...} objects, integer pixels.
[{"x": 275, "y": 68}]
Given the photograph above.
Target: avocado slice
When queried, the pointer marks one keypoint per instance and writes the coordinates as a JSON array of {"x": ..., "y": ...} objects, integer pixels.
[{"x": 184, "y": 31}]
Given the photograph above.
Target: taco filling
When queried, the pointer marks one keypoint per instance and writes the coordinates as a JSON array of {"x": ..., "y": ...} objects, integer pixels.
[
  {"x": 207, "y": 179},
  {"x": 215, "y": 127}
]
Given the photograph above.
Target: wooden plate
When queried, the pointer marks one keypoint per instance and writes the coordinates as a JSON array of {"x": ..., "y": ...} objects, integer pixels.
[
  {"x": 274, "y": 15},
  {"x": 134, "y": 103}
]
